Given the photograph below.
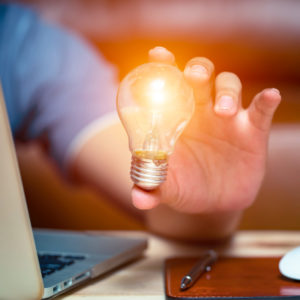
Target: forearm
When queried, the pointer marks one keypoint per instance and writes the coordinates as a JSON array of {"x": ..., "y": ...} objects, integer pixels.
[
  {"x": 103, "y": 163},
  {"x": 213, "y": 227}
]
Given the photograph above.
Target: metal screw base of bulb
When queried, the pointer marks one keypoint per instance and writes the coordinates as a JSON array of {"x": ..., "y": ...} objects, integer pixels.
[{"x": 147, "y": 173}]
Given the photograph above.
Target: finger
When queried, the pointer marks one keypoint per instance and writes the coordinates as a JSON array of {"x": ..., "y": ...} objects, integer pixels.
[
  {"x": 199, "y": 72},
  {"x": 161, "y": 54},
  {"x": 144, "y": 199},
  {"x": 263, "y": 107},
  {"x": 228, "y": 94}
]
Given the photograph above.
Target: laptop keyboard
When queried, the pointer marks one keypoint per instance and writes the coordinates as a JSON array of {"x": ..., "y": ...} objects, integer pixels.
[{"x": 51, "y": 263}]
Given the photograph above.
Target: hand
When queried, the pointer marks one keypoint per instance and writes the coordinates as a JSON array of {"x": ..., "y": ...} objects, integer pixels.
[{"x": 219, "y": 161}]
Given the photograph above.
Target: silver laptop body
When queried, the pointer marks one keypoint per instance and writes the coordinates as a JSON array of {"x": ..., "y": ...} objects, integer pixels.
[{"x": 74, "y": 257}]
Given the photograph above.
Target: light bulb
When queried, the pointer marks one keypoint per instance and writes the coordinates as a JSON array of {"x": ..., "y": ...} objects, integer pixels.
[{"x": 154, "y": 104}]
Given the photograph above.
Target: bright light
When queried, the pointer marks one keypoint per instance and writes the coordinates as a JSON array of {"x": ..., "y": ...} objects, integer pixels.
[
  {"x": 157, "y": 84},
  {"x": 157, "y": 90},
  {"x": 155, "y": 104}
]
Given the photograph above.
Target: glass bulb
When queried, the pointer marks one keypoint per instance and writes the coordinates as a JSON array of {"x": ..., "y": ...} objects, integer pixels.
[{"x": 154, "y": 104}]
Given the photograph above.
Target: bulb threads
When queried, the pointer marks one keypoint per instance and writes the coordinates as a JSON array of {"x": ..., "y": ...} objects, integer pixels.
[{"x": 148, "y": 173}]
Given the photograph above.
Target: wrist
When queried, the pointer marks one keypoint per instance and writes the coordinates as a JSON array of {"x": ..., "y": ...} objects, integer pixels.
[{"x": 212, "y": 227}]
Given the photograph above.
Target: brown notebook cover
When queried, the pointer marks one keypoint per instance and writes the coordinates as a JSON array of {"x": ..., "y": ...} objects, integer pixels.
[{"x": 231, "y": 278}]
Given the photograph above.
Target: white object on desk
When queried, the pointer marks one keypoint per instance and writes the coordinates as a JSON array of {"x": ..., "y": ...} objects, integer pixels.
[{"x": 289, "y": 265}]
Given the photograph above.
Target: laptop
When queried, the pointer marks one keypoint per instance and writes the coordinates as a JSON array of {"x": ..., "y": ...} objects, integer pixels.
[{"x": 42, "y": 263}]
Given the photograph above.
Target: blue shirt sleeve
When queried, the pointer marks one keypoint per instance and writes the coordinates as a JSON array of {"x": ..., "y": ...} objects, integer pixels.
[{"x": 52, "y": 80}]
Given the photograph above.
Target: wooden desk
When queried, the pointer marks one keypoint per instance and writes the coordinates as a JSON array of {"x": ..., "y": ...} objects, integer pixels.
[{"x": 143, "y": 279}]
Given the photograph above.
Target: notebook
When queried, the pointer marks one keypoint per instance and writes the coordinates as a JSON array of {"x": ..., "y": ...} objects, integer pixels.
[
  {"x": 231, "y": 278},
  {"x": 39, "y": 263}
]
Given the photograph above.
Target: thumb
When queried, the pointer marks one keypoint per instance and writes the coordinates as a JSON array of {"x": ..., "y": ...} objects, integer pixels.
[{"x": 145, "y": 199}]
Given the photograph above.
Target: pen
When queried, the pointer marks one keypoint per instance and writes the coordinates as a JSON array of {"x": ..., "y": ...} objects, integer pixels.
[{"x": 203, "y": 265}]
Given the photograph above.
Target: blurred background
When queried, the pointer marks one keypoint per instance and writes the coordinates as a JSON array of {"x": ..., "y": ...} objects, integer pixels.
[{"x": 257, "y": 39}]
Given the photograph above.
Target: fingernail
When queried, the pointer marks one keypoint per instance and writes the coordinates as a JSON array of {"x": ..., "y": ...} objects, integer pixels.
[
  {"x": 159, "y": 48},
  {"x": 199, "y": 69},
  {"x": 276, "y": 91},
  {"x": 225, "y": 103}
]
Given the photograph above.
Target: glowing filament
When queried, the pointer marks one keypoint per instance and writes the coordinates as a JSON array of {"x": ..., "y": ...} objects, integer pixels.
[{"x": 157, "y": 93}]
